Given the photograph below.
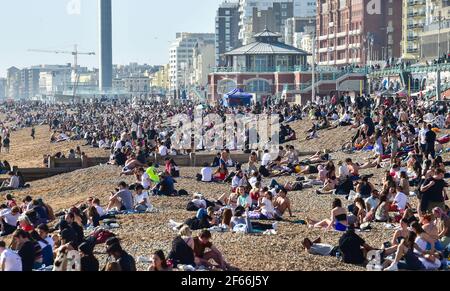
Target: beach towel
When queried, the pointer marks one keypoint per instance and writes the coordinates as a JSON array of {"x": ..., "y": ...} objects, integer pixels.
[{"x": 445, "y": 139}]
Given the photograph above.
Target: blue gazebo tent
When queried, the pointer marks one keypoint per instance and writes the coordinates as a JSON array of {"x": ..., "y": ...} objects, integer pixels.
[{"x": 237, "y": 97}]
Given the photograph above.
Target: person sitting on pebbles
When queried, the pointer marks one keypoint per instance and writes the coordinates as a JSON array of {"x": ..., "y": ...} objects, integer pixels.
[
  {"x": 281, "y": 204},
  {"x": 122, "y": 199},
  {"x": 337, "y": 221},
  {"x": 202, "y": 257}
]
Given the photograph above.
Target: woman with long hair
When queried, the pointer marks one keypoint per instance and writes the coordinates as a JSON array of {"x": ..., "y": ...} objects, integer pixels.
[
  {"x": 338, "y": 219},
  {"x": 407, "y": 249},
  {"x": 159, "y": 262}
]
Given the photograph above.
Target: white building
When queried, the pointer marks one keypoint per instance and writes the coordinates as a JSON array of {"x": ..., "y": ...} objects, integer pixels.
[
  {"x": 203, "y": 60},
  {"x": 135, "y": 85},
  {"x": 54, "y": 81},
  {"x": 180, "y": 57},
  {"x": 2, "y": 88},
  {"x": 301, "y": 8}
]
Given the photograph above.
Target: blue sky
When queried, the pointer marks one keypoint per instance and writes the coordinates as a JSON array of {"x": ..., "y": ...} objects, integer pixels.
[{"x": 142, "y": 29}]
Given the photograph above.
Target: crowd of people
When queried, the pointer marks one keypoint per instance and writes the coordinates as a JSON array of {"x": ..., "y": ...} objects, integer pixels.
[{"x": 400, "y": 139}]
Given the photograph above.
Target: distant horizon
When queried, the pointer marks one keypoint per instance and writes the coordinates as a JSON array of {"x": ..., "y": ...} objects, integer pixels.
[{"x": 134, "y": 39}]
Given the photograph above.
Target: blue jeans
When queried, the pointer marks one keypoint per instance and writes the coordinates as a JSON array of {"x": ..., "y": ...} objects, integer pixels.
[{"x": 274, "y": 184}]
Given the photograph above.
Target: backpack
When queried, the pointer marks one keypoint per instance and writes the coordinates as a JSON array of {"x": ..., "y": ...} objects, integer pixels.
[
  {"x": 191, "y": 206},
  {"x": 182, "y": 192},
  {"x": 264, "y": 172},
  {"x": 101, "y": 236}
]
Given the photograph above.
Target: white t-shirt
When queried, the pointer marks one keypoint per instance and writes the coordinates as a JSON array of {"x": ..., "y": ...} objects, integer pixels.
[
  {"x": 422, "y": 136},
  {"x": 401, "y": 200},
  {"x": 267, "y": 210},
  {"x": 50, "y": 241},
  {"x": 140, "y": 198},
  {"x": 373, "y": 202},
  {"x": 235, "y": 181},
  {"x": 146, "y": 181},
  {"x": 253, "y": 181},
  {"x": 200, "y": 203},
  {"x": 266, "y": 159},
  {"x": 8, "y": 217},
  {"x": 118, "y": 145},
  {"x": 163, "y": 150},
  {"x": 206, "y": 174},
  {"x": 13, "y": 262},
  {"x": 345, "y": 118},
  {"x": 100, "y": 210},
  {"x": 343, "y": 172},
  {"x": 14, "y": 182}
]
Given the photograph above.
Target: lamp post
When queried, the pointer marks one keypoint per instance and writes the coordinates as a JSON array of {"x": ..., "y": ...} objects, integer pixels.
[
  {"x": 313, "y": 80},
  {"x": 438, "y": 72}
]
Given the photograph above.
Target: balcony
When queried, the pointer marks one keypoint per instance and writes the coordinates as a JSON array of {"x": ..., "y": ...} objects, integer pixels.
[
  {"x": 354, "y": 32},
  {"x": 354, "y": 45},
  {"x": 323, "y": 68},
  {"x": 412, "y": 50},
  {"x": 413, "y": 3},
  {"x": 342, "y": 47},
  {"x": 273, "y": 69},
  {"x": 416, "y": 26},
  {"x": 341, "y": 34}
]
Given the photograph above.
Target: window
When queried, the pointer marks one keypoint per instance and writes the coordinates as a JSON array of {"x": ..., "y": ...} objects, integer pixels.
[
  {"x": 258, "y": 86},
  {"x": 226, "y": 86},
  {"x": 260, "y": 63},
  {"x": 282, "y": 61}
]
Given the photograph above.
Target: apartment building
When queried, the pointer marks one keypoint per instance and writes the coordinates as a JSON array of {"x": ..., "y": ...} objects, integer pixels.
[
  {"x": 227, "y": 29},
  {"x": 354, "y": 32},
  {"x": 256, "y": 15},
  {"x": 181, "y": 57}
]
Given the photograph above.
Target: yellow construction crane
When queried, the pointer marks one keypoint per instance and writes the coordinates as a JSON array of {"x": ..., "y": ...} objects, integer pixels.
[{"x": 75, "y": 53}]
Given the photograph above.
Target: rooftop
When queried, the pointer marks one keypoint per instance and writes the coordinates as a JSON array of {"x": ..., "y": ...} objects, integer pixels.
[{"x": 267, "y": 43}]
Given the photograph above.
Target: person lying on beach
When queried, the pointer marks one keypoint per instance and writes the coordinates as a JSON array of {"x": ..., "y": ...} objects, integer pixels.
[
  {"x": 131, "y": 164},
  {"x": 204, "y": 219},
  {"x": 316, "y": 247},
  {"x": 318, "y": 158},
  {"x": 277, "y": 169}
]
